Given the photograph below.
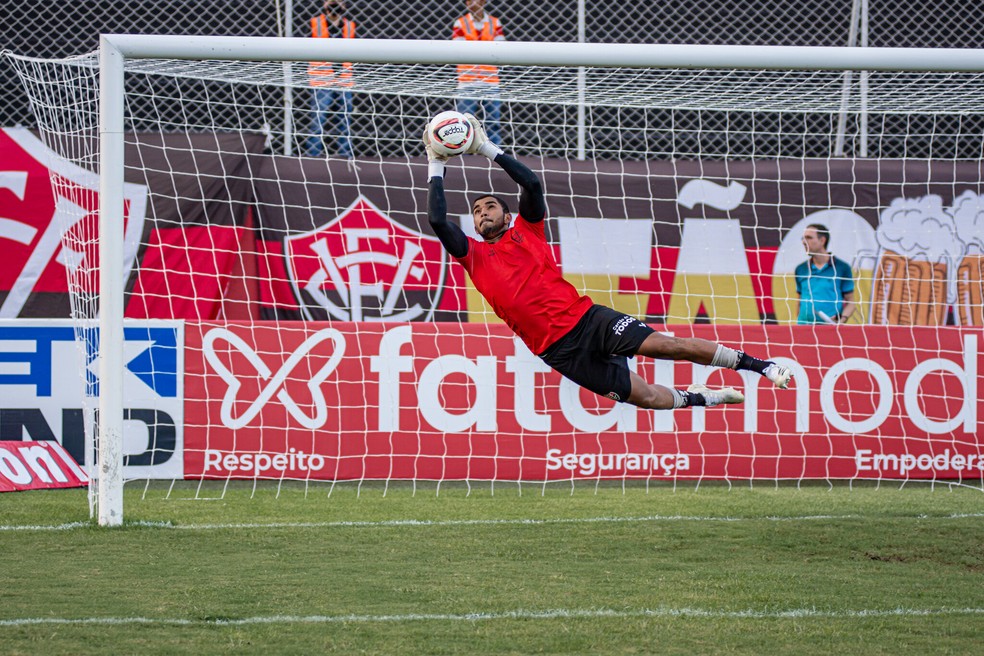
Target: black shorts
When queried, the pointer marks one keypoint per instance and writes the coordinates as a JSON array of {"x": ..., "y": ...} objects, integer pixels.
[{"x": 595, "y": 353}]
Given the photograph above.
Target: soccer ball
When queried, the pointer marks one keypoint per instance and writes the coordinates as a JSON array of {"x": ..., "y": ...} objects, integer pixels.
[{"x": 450, "y": 133}]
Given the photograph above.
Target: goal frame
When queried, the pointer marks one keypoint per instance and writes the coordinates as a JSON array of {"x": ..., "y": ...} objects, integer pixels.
[{"x": 115, "y": 49}]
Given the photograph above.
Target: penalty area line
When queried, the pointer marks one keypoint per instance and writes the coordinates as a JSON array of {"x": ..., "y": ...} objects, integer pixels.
[
  {"x": 551, "y": 614},
  {"x": 397, "y": 523}
]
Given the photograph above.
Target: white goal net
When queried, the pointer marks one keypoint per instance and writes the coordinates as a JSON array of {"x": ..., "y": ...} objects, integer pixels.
[{"x": 290, "y": 315}]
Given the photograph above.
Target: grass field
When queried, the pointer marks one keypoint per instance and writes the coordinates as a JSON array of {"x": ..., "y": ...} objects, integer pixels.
[{"x": 708, "y": 570}]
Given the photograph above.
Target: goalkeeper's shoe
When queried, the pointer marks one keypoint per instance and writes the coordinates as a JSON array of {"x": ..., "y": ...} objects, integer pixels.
[
  {"x": 721, "y": 396},
  {"x": 778, "y": 374}
]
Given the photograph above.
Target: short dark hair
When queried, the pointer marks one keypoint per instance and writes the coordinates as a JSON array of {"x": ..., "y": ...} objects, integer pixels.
[
  {"x": 822, "y": 231},
  {"x": 504, "y": 204}
]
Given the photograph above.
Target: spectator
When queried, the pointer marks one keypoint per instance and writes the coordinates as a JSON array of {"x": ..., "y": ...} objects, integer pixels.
[
  {"x": 330, "y": 92},
  {"x": 479, "y": 85},
  {"x": 825, "y": 283}
]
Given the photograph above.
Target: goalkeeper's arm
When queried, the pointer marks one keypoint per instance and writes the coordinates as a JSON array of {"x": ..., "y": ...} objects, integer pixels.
[
  {"x": 532, "y": 205},
  {"x": 452, "y": 237}
]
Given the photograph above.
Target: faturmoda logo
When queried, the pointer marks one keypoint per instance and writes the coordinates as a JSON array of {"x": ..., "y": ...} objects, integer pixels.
[
  {"x": 219, "y": 341},
  {"x": 364, "y": 266}
]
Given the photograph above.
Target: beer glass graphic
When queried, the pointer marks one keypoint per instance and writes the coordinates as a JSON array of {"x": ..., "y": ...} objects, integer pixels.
[
  {"x": 969, "y": 305},
  {"x": 915, "y": 278},
  {"x": 968, "y": 216},
  {"x": 908, "y": 291}
]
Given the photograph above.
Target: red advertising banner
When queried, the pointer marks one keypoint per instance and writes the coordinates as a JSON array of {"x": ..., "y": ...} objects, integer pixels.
[
  {"x": 340, "y": 401},
  {"x": 37, "y": 466}
]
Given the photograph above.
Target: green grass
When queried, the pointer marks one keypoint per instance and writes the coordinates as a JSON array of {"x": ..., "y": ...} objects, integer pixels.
[{"x": 810, "y": 570}]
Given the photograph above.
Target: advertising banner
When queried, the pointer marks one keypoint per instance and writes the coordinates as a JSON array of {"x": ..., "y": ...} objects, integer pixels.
[
  {"x": 336, "y": 401},
  {"x": 187, "y": 204},
  {"x": 37, "y": 466},
  {"x": 49, "y": 386},
  {"x": 216, "y": 227},
  {"x": 677, "y": 242}
]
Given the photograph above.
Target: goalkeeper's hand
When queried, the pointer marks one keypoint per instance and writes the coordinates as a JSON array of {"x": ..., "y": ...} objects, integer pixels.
[
  {"x": 480, "y": 138},
  {"x": 432, "y": 155}
]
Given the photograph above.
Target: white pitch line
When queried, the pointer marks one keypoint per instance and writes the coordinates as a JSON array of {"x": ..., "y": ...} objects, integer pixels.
[
  {"x": 795, "y": 613},
  {"x": 391, "y": 523}
]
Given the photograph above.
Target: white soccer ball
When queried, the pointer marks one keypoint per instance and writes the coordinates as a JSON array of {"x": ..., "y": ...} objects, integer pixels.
[{"x": 450, "y": 133}]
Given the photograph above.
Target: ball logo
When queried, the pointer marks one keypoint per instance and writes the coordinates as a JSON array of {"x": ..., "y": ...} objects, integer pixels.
[
  {"x": 364, "y": 266},
  {"x": 448, "y": 131},
  {"x": 452, "y": 133}
]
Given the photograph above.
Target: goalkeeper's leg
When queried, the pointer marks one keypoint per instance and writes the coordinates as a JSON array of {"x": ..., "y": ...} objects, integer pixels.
[
  {"x": 702, "y": 351},
  {"x": 658, "y": 397}
]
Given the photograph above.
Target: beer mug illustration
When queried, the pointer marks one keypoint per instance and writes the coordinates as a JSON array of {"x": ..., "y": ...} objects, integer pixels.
[
  {"x": 969, "y": 305},
  {"x": 864, "y": 265},
  {"x": 915, "y": 280},
  {"x": 968, "y": 215},
  {"x": 909, "y": 291}
]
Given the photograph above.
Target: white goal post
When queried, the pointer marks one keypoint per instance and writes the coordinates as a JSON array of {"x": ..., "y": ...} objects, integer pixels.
[{"x": 115, "y": 50}]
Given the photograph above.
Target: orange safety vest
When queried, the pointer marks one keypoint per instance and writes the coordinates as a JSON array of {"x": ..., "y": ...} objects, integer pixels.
[
  {"x": 467, "y": 72},
  {"x": 321, "y": 74}
]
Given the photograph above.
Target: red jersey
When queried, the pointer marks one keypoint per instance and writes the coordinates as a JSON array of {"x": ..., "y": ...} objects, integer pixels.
[{"x": 519, "y": 278}]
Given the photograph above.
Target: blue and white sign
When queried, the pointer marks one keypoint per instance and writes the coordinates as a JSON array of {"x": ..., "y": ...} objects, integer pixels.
[{"x": 49, "y": 390}]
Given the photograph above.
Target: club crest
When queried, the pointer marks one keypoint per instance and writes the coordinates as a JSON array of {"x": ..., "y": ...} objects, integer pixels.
[{"x": 364, "y": 266}]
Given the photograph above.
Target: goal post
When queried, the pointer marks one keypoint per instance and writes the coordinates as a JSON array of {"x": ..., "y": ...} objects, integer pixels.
[
  {"x": 517, "y": 53},
  {"x": 611, "y": 85},
  {"x": 111, "y": 284}
]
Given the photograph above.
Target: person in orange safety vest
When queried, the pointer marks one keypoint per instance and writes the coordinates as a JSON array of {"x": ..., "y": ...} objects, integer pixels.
[
  {"x": 479, "y": 84},
  {"x": 330, "y": 84}
]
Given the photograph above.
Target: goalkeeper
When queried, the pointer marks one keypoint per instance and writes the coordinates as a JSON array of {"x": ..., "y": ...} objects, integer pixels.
[{"x": 514, "y": 269}]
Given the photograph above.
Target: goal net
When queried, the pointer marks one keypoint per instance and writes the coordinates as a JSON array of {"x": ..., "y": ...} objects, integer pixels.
[{"x": 290, "y": 315}]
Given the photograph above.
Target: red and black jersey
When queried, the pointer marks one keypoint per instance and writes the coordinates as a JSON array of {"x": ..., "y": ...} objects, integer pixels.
[{"x": 520, "y": 279}]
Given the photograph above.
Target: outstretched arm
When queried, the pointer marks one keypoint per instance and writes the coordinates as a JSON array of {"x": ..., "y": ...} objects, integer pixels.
[
  {"x": 452, "y": 236},
  {"x": 532, "y": 205}
]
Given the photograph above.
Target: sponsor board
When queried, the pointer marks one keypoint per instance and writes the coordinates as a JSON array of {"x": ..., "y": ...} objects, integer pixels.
[
  {"x": 672, "y": 241},
  {"x": 454, "y": 401},
  {"x": 49, "y": 390},
  {"x": 48, "y": 211},
  {"x": 38, "y": 466}
]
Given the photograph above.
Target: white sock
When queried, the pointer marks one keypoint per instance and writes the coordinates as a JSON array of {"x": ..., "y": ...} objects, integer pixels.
[
  {"x": 725, "y": 357},
  {"x": 677, "y": 399}
]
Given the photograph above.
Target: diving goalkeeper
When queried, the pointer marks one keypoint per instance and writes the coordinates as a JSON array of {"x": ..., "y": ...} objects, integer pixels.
[{"x": 514, "y": 269}]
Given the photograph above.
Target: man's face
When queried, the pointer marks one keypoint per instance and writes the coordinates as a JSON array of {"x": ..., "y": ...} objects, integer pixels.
[
  {"x": 490, "y": 220},
  {"x": 812, "y": 242},
  {"x": 474, "y": 6},
  {"x": 334, "y": 7}
]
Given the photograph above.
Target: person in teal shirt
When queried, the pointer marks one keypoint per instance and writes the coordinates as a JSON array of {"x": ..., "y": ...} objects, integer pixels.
[{"x": 825, "y": 283}]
